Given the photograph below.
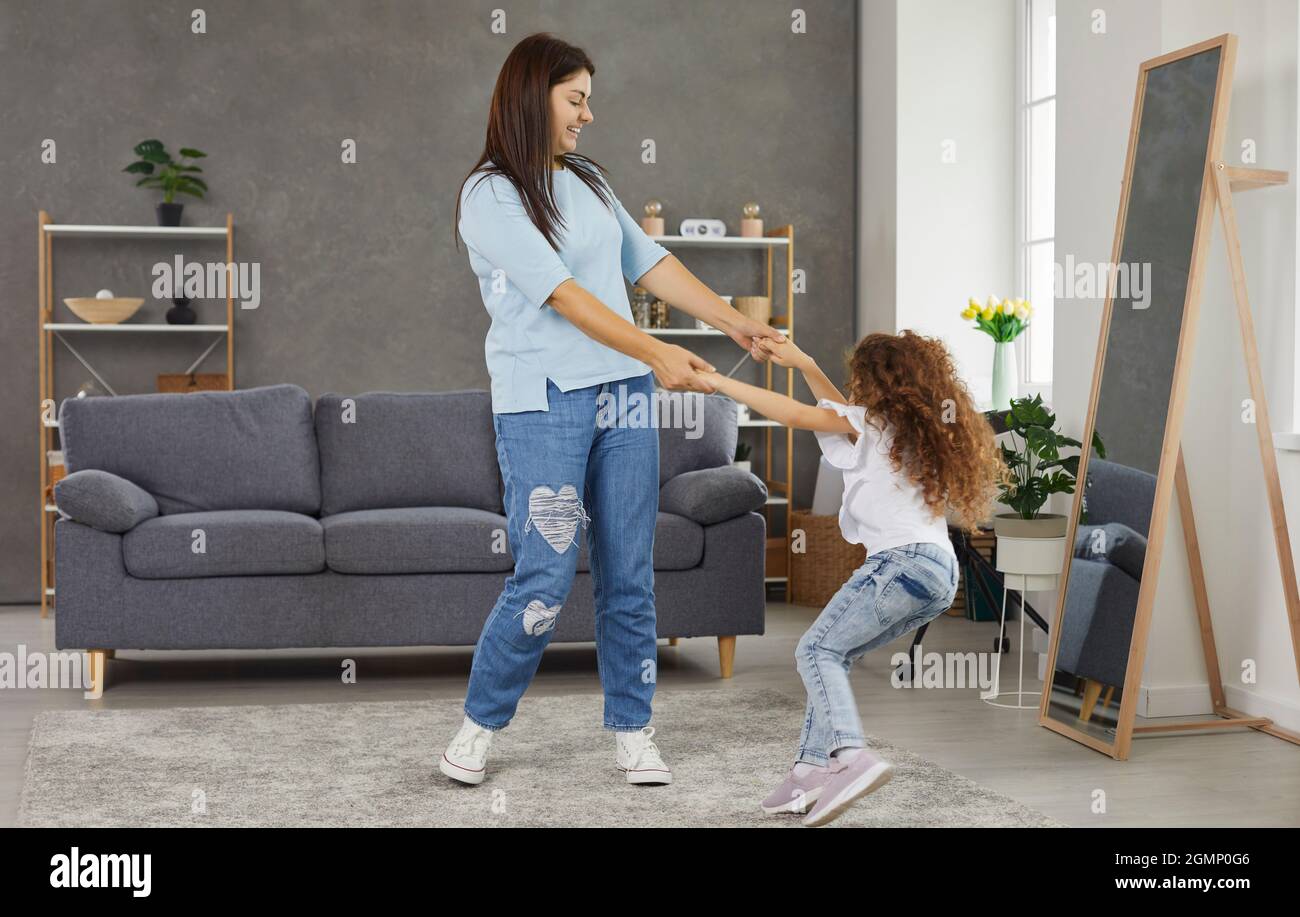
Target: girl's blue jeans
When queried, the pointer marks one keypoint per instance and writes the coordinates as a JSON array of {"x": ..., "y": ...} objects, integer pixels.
[
  {"x": 894, "y": 592},
  {"x": 567, "y": 469}
]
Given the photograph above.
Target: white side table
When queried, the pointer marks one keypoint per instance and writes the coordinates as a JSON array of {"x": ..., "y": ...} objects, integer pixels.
[{"x": 1027, "y": 565}]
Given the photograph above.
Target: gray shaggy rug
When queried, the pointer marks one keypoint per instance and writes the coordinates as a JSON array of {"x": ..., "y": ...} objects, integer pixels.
[{"x": 375, "y": 764}]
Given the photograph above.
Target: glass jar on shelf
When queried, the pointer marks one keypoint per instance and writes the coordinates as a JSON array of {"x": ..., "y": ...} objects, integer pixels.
[
  {"x": 641, "y": 300},
  {"x": 659, "y": 314}
]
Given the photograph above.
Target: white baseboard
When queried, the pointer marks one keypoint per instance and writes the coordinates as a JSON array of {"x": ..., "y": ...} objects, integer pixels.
[
  {"x": 1194, "y": 700},
  {"x": 1175, "y": 700},
  {"x": 1282, "y": 712}
]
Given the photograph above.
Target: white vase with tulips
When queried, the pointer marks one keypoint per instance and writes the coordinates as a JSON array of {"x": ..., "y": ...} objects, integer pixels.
[{"x": 1002, "y": 320}]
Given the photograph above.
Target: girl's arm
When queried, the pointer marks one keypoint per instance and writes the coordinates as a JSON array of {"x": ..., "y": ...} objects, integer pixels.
[
  {"x": 785, "y": 353},
  {"x": 780, "y": 407}
]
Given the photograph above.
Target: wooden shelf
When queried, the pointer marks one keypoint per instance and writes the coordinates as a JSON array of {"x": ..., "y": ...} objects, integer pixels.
[
  {"x": 757, "y": 242},
  {"x": 668, "y": 332},
  {"x": 89, "y": 231},
  {"x": 130, "y": 326}
]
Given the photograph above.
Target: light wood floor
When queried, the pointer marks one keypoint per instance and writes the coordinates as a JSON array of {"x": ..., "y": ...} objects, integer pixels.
[{"x": 1240, "y": 778}]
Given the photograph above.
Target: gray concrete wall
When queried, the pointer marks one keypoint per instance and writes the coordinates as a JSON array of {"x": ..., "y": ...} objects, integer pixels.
[{"x": 362, "y": 288}]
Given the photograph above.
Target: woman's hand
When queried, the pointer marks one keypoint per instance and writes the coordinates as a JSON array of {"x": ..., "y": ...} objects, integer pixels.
[
  {"x": 678, "y": 369},
  {"x": 785, "y": 353},
  {"x": 747, "y": 333}
]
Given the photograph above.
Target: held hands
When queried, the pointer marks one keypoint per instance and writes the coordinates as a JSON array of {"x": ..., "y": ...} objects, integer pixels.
[
  {"x": 784, "y": 353},
  {"x": 748, "y": 334},
  {"x": 679, "y": 370}
]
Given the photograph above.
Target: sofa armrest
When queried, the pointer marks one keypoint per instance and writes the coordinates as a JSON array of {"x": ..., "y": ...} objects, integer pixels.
[
  {"x": 1115, "y": 543},
  {"x": 103, "y": 501},
  {"x": 712, "y": 495}
]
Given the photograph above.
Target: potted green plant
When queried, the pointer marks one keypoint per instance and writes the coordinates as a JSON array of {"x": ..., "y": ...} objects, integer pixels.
[
  {"x": 159, "y": 170},
  {"x": 742, "y": 457},
  {"x": 1038, "y": 469}
]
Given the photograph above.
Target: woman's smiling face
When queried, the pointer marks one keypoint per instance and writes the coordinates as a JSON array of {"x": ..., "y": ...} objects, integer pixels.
[{"x": 570, "y": 111}]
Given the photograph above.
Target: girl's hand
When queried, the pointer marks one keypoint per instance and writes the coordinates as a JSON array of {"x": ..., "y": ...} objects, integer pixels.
[
  {"x": 747, "y": 333},
  {"x": 785, "y": 353}
]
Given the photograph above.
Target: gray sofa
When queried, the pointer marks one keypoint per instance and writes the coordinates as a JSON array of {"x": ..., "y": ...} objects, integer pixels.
[
  {"x": 1101, "y": 598},
  {"x": 246, "y": 520}
]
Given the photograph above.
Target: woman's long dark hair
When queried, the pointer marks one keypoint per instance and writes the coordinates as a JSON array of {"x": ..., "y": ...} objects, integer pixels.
[{"x": 518, "y": 143}]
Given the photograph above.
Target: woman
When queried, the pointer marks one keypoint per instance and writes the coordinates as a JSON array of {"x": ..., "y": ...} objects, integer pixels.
[{"x": 551, "y": 246}]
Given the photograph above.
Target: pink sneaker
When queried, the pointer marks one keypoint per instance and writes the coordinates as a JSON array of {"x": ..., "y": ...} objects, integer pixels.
[
  {"x": 847, "y": 782},
  {"x": 796, "y": 794}
]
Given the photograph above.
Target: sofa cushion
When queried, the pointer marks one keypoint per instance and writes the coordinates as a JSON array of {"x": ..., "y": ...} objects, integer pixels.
[
  {"x": 713, "y": 495},
  {"x": 199, "y": 451},
  {"x": 233, "y": 543},
  {"x": 679, "y": 544},
  {"x": 695, "y": 431},
  {"x": 451, "y": 539},
  {"x": 386, "y": 450},
  {"x": 1115, "y": 543},
  {"x": 103, "y": 501},
  {"x": 421, "y": 539}
]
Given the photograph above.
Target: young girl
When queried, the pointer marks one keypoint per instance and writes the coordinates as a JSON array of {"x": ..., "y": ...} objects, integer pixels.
[{"x": 910, "y": 444}]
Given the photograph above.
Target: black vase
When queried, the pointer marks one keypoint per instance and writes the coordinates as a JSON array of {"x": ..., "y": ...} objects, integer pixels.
[
  {"x": 169, "y": 214},
  {"x": 181, "y": 313}
]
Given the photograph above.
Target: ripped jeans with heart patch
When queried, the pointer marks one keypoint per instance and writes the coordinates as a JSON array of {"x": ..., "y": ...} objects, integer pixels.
[{"x": 571, "y": 473}]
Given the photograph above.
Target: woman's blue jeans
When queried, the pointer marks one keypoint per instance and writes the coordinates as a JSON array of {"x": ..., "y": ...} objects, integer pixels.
[
  {"x": 894, "y": 592},
  {"x": 571, "y": 468}
]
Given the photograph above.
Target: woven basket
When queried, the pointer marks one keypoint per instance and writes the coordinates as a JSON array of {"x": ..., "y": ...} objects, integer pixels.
[{"x": 825, "y": 564}]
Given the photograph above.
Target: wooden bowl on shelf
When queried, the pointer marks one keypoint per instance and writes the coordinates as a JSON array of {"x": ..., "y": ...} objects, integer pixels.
[{"x": 104, "y": 311}]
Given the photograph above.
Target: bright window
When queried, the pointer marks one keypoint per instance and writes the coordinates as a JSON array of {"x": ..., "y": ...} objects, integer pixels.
[{"x": 1036, "y": 167}]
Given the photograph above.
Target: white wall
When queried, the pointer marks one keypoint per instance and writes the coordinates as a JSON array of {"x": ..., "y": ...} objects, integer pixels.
[
  {"x": 877, "y": 165},
  {"x": 1096, "y": 79},
  {"x": 934, "y": 233}
]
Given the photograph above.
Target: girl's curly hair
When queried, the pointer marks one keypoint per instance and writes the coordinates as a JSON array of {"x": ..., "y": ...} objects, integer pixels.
[{"x": 941, "y": 441}]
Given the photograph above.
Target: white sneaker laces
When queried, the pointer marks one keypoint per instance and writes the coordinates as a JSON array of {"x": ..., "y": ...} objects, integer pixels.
[
  {"x": 468, "y": 746},
  {"x": 648, "y": 753}
]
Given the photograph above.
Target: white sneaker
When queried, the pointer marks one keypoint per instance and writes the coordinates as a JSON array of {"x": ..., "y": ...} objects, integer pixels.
[
  {"x": 466, "y": 757},
  {"x": 638, "y": 757}
]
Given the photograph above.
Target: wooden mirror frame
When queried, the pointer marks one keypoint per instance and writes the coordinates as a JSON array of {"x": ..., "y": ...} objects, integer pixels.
[{"x": 1170, "y": 451}]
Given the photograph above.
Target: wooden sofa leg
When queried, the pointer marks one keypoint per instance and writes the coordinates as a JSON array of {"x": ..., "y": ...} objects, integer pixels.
[
  {"x": 98, "y": 670},
  {"x": 726, "y": 655},
  {"x": 672, "y": 641},
  {"x": 1091, "y": 691}
]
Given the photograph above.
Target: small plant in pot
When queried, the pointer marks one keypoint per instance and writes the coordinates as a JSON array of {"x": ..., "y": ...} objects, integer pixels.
[
  {"x": 1038, "y": 470},
  {"x": 742, "y": 457},
  {"x": 159, "y": 170}
]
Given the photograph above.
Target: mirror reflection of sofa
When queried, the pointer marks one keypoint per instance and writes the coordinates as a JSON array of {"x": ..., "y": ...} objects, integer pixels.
[{"x": 1105, "y": 574}]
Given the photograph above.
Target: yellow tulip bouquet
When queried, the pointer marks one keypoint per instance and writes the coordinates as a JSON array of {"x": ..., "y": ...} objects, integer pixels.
[{"x": 1003, "y": 321}]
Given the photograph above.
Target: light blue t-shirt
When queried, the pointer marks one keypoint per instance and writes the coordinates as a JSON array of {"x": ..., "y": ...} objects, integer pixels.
[{"x": 528, "y": 341}]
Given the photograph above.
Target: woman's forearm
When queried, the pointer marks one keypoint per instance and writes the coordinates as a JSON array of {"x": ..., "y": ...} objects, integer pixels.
[
  {"x": 670, "y": 281},
  {"x": 676, "y": 367},
  {"x": 600, "y": 323}
]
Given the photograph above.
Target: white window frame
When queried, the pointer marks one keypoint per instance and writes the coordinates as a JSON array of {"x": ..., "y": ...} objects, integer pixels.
[{"x": 1023, "y": 179}]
